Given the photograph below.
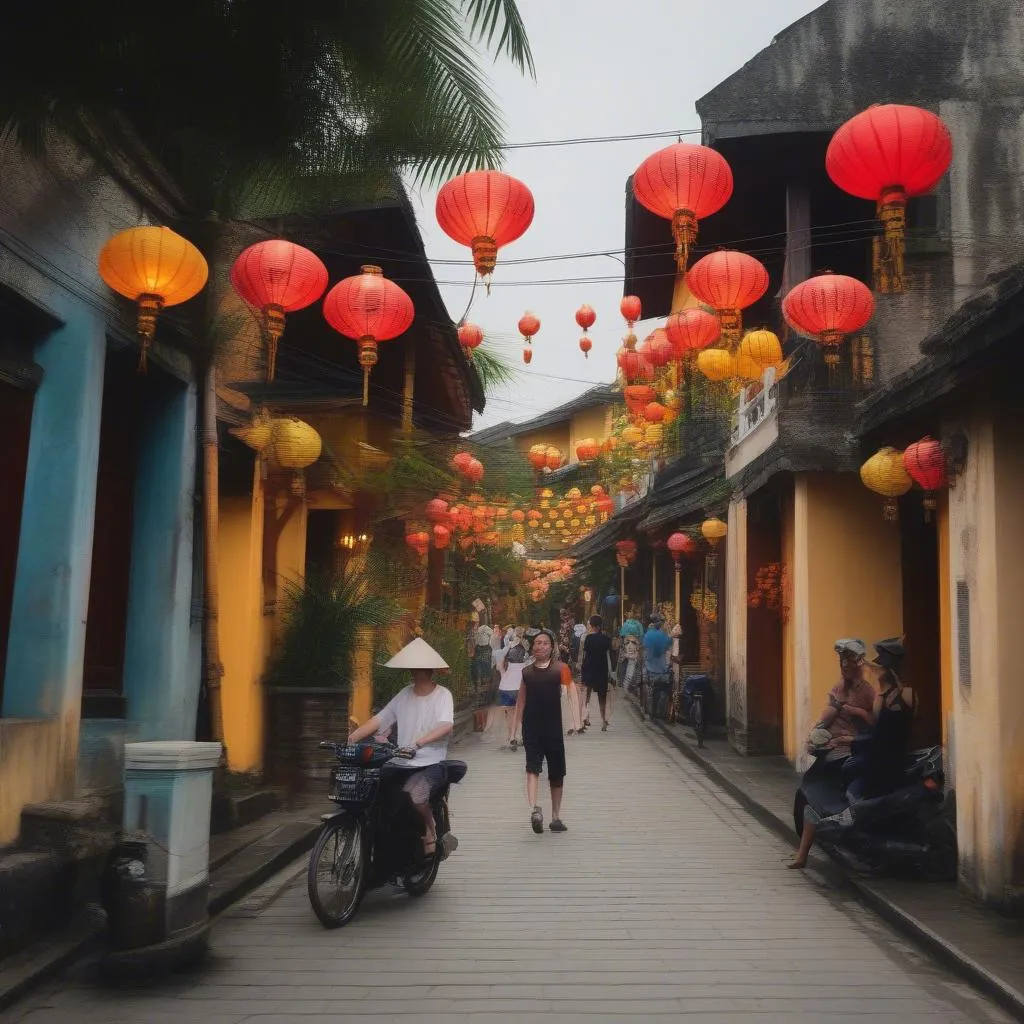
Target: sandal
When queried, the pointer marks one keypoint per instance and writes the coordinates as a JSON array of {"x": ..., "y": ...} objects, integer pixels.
[
  {"x": 604, "y": 727},
  {"x": 558, "y": 826},
  {"x": 537, "y": 821}
]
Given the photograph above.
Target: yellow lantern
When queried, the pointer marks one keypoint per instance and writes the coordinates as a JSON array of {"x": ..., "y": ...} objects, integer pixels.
[
  {"x": 546, "y": 526},
  {"x": 590, "y": 521},
  {"x": 763, "y": 348},
  {"x": 256, "y": 433},
  {"x": 745, "y": 368},
  {"x": 715, "y": 363},
  {"x": 885, "y": 474},
  {"x": 632, "y": 435},
  {"x": 573, "y": 494},
  {"x": 154, "y": 267},
  {"x": 654, "y": 434},
  {"x": 713, "y": 530},
  {"x": 294, "y": 444}
]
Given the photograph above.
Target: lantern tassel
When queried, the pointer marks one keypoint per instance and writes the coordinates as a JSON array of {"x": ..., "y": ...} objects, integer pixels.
[
  {"x": 889, "y": 250},
  {"x": 366, "y": 386},
  {"x": 274, "y": 321},
  {"x": 149, "y": 307},
  {"x": 684, "y": 231}
]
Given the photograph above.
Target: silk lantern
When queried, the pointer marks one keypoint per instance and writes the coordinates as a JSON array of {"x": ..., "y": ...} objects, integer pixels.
[
  {"x": 586, "y": 317},
  {"x": 691, "y": 331},
  {"x": 828, "y": 307},
  {"x": 728, "y": 282},
  {"x": 470, "y": 337},
  {"x": 885, "y": 474},
  {"x": 888, "y": 153},
  {"x": 154, "y": 267},
  {"x": 277, "y": 277},
  {"x": 485, "y": 210},
  {"x": 925, "y": 461},
  {"x": 294, "y": 444},
  {"x": 369, "y": 309},
  {"x": 683, "y": 183}
]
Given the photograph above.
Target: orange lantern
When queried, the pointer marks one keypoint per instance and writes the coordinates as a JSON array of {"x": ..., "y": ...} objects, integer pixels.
[
  {"x": 553, "y": 458},
  {"x": 369, "y": 309},
  {"x": 437, "y": 510},
  {"x": 537, "y": 456},
  {"x": 527, "y": 355},
  {"x": 442, "y": 536},
  {"x": 585, "y": 317},
  {"x": 484, "y": 210},
  {"x": 635, "y": 366},
  {"x": 637, "y": 397},
  {"x": 631, "y": 309},
  {"x": 470, "y": 337},
  {"x": 657, "y": 348},
  {"x": 587, "y": 450},
  {"x": 154, "y": 267},
  {"x": 585, "y": 346},
  {"x": 654, "y": 412}
]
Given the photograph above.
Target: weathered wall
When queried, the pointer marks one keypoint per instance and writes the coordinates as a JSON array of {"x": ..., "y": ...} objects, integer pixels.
[
  {"x": 987, "y": 575},
  {"x": 593, "y": 423},
  {"x": 735, "y": 614},
  {"x": 960, "y": 60}
]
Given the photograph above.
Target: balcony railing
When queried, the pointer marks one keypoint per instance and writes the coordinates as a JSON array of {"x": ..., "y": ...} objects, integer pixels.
[{"x": 751, "y": 414}]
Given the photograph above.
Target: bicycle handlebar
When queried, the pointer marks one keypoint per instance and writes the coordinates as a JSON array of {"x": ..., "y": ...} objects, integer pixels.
[{"x": 352, "y": 749}]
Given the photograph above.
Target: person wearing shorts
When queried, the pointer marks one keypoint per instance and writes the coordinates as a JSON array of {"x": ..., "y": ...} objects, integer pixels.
[
  {"x": 597, "y": 647},
  {"x": 539, "y": 708},
  {"x": 513, "y": 661}
]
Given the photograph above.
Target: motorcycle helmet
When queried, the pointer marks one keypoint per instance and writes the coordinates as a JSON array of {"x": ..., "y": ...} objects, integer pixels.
[{"x": 889, "y": 653}]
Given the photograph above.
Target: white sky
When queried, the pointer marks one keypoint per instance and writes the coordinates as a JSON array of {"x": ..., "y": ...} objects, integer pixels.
[{"x": 603, "y": 68}]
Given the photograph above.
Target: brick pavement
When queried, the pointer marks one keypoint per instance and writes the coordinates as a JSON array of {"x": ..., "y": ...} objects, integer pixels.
[{"x": 664, "y": 899}]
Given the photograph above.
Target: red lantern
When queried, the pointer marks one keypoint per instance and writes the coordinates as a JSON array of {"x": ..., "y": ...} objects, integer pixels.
[
  {"x": 631, "y": 309},
  {"x": 554, "y": 458},
  {"x": 654, "y": 412},
  {"x": 517, "y": 515},
  {"x": 527, "y": 355},
  {"x": 585, "y": 346},
  {"x": 369, "y": 309},
  {"x": 587, "y": 450},
  {"x": 442, "y": 536},
  {"x": 680, "y": 544},
  {"x": 437, "y": 510},
  {"x": 691, "y": 331},
  {"x": 474, "y": 471},
  {"x": 626, "y": 550},
  {"x": 278, "y": 277},
  {"x": 484, "y": 210},
  {"x": 888, "y": 153},
  {"x": 925, "y": 461},
  {"x": 586, "y": 317},
  {"x": 828, "y": 307},
  {"x": 470, "y": 337},
  {"x": 419, "y": 541},
  {"x": 605, "y": 505},
  {"x": 459, "y": 462},
  {"x": 683, "y": 183},
  {"x": 657, "y": 348},
  {"x": 638, "y": 397},
  {"x": 636, "y": 367},
  {"x": 728, "y": 282}
]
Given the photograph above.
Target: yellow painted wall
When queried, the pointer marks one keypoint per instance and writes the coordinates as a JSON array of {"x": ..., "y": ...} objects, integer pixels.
[
  {"x": 736, "y": 590},
  {"x": 846, "y": 583},
  {"x": 790, "y": 741},
  {"x": 986, "y": 554},
  {"x": 557, "y": 435},
  {"x": 945, "y": 624},
  {"x": 588, "y": 423},
  {"x": 242, "y": 629},
  {"x": 32, "y": 755}
]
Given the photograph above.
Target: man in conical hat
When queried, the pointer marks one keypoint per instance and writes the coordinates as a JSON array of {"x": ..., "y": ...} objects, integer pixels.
[{"x": 425, "y": 714}]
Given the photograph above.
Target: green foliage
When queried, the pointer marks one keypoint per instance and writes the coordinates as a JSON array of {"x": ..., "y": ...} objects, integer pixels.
[
  {"x": 256, "y": 107},
  {"x": 324, "y": 617},
  {"x": 494, "y": 369},
  {"x": 445, "y": 634}
]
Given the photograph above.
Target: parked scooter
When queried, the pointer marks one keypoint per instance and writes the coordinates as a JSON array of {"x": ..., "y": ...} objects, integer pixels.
[
  {"x": 376, "y": 837},
  {"x": 906, "y": 830}
]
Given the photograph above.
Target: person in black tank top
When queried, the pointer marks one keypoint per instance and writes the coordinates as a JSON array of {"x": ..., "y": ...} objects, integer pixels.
[{"x": 539, "y": 708}]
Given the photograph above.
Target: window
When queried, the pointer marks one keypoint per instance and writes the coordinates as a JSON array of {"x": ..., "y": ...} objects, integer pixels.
[{"x": 963, "y": 631}]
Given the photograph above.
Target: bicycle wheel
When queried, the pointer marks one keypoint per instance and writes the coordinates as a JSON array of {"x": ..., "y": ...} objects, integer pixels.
[{"x": 337, "y": 872}]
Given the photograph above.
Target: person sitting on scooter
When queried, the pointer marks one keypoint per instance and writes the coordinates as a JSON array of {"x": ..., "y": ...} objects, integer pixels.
[
  {"x": 657, "y": 647},
  {"x": 425, "y": 715},
  {"x": 879, "y": 765},
  {"x": 850, "y": 711}
]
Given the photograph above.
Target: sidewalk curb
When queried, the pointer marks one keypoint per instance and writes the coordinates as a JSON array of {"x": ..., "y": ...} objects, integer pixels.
[{"x": 1009, "y": 998}]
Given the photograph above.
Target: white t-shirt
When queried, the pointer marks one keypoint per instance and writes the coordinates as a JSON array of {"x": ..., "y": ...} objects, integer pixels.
[{"x": 416, "y": 716}]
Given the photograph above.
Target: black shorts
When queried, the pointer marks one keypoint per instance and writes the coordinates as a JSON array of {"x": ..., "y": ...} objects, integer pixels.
[
  {"x": 598, "y": 686},
  {"x": 541, "y": 748}
]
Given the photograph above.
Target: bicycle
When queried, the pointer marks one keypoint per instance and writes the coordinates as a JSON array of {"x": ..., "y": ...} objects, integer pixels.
[{"x": 697, "y": 717}]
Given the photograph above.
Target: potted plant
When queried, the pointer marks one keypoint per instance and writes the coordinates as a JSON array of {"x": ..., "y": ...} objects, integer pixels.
[{"x": 325, "y": 618}]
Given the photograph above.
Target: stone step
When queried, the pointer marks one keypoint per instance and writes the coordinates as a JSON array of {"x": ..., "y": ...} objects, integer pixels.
[
  {"x": 37, "y": 894},
  {"x": 70, "y": 829}
]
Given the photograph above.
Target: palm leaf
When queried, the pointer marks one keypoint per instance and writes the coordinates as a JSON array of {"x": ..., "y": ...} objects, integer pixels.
[{"x": 487, "y": 16}]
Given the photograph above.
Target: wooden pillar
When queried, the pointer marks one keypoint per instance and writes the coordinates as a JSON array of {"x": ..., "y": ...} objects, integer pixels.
[
  {"x": 654, "y": 577},
  {"x": 678, "y": 595},
  {"x": 408, "y": 387}
]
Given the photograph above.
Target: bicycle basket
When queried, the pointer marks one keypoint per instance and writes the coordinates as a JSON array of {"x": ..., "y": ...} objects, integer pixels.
[{"x": 352, "y": 785}]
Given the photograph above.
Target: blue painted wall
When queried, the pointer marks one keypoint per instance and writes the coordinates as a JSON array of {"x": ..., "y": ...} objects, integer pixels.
[
  {"x": 161, "y": 675},
  {"x": 43, "y": 677}
]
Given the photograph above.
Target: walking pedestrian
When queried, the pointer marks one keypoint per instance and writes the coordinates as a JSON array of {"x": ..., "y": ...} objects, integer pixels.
[
  {"x": 513, "y": 661},
  {"x": 597, "y": 646},
  {"x": 539, "y": 708}
]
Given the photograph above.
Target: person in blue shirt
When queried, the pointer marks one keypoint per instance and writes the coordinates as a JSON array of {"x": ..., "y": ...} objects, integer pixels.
[{"x": 657, "y": 669}]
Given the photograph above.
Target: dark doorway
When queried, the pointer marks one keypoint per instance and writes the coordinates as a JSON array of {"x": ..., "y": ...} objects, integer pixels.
[
  {"x": 323, "y": 530},
  {"x": 103, "y": 669},
  {"x": 15, "y": 429},
  {"x": 919, "y": 550},
  {"x": 765, "y": 613}
]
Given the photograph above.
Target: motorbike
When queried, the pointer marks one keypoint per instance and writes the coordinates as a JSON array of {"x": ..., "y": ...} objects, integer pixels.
[
  {"x": 376, "y": 836},
  {"x": 907, "y": 830}
]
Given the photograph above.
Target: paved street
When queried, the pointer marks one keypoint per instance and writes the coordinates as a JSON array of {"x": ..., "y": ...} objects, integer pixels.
[{"x": 664, "y": 899}]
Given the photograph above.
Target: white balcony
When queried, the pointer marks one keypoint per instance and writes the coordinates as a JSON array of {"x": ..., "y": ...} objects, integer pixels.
[{"x": 757, "y": 426}]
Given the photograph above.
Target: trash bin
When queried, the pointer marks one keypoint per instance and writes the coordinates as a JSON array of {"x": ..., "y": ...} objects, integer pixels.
[{"x": 155, "y": 886}]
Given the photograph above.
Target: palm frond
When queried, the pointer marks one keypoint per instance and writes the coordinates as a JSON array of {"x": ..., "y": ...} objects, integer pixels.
[
  {"x": 494, "y": 370},
  {"x": 487, "y": 16}
]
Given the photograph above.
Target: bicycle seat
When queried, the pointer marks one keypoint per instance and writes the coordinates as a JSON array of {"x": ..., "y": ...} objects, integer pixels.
[{"x": 455, "y": 770}]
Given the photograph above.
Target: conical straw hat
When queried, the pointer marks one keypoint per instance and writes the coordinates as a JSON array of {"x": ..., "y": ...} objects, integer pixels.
[{"x": 417, "y": 654}]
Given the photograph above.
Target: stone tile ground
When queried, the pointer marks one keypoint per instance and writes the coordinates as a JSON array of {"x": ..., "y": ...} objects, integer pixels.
[{"x": 664, "y": 900}]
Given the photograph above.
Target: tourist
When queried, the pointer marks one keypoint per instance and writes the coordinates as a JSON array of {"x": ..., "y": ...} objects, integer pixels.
[{"x": 596, "y": 669}]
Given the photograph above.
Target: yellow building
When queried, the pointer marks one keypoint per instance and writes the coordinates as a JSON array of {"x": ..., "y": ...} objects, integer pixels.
[{"x": 275, "y": 525}]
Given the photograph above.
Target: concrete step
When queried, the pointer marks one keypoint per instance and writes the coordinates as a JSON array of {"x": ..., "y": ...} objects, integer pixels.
[
  {"x": 36, "y": 896},
  {"x": 70, "y": 829}
]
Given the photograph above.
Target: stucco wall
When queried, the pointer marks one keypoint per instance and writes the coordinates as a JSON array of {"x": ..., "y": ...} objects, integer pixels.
[
  {"x": 987, "y": 559},
  {"x": 736, "y": 616},
  {"x": 846, "y": 583}
]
